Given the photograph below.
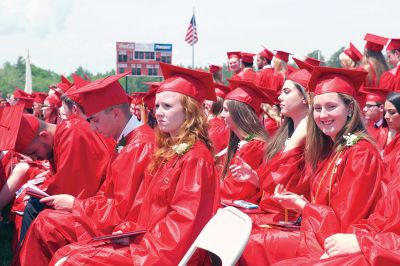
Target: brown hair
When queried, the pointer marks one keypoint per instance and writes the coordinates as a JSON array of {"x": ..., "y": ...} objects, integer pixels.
[
  {"x": 319, "y": 146},
  {"x": 217, "y": 107},
  {"x": 285, "y": 131},
  {"x": 377, "y": 61},
  {"x": 194, "y": 128},
  {"x": 245, "y": 119}
]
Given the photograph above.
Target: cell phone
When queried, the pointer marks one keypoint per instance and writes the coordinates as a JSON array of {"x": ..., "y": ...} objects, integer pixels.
[{"x": 245, "y": 204}]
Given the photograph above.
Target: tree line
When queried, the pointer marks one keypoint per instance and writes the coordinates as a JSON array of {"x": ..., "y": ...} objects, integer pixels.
[{"x": 13, "y": 75}]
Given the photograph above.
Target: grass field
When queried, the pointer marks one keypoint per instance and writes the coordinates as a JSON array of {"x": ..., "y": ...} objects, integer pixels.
[{"x": 6, "y": 234}]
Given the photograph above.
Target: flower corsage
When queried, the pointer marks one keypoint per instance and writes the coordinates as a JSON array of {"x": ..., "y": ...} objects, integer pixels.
[
  {"x": 351, "y": 139},
  {"x": 181, "y": 149}
]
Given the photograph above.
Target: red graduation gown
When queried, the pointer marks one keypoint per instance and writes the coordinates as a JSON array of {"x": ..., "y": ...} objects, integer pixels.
[
  {"x": 269, "y": 245},
  {"x": 391, "y": 158},
  {"x": 231, "y": 189},
  {"x": 182, "y": 196},
  {"x": 218, "y": 133},
  {"x": 97, "y": 215},
  {"x": 76, "y": 145},
  {"x": 378, "y": 236},
  {"x": 379, "y": 134},
  {"x": 336, "y": 195}
]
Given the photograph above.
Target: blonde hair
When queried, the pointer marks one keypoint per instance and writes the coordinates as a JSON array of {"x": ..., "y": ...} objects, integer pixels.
[
  {"x": 194, "y": 128},
  {"x": 347, "y": 61}
]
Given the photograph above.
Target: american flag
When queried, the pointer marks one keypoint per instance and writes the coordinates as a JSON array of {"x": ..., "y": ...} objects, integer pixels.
[{"x": 191, "y": 34}]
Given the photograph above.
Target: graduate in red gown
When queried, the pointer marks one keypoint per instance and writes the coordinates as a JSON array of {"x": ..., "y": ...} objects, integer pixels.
[
  {"x": 281, "y": 70},
  {"x": 181, "y": 194},
  {"x": 70, "y": 145},
  {"x": 218, "y": 131},
  {"x": 373, "y": 114},
  {"x": 373, "y": 241},
  {"x": 284, "y": 164},
  {"x": 106, "y": 106},
  {"x": 247, "y": 141},
  {"x": 387, "y": 81},
  {"x": 345, "y": 165},
  {"x": 391, "y": 153},
  {"x": 374, "y": 62}
]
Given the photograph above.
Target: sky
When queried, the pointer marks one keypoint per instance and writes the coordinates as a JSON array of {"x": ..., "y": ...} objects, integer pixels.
[{"x": 62, "y": 35}]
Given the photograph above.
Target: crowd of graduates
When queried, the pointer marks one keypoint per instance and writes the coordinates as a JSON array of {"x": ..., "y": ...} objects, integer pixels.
[{"x": 315, "y": 148}]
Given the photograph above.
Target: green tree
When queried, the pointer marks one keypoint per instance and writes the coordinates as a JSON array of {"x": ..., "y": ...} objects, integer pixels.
[
  {"x": 334, "y": 59},
  {"x": 317, "y": 54}
]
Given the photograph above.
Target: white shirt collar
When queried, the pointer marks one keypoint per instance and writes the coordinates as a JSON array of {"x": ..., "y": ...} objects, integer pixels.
[
  {"x": 379, "y": 123},
  {"x": 129, "y": 127}
]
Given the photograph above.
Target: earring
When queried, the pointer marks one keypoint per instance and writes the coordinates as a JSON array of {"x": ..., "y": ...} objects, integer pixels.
[{"x": 349, "y": 115}]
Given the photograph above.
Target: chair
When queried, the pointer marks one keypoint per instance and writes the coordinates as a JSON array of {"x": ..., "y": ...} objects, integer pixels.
[{"x": 225, "y": 235}]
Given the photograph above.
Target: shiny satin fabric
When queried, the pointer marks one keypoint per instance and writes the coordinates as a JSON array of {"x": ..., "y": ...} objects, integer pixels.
[
  {"x": 337, "y": 196},
  {"x": 97, "y": 215},
  {"x": 218, "y": 134},
  {"x": 180, "y": 198},
  {"x": 232, "y": 189}
]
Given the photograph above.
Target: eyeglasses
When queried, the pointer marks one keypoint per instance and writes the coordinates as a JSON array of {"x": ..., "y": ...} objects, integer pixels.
[{"x": 369, "y": 106}]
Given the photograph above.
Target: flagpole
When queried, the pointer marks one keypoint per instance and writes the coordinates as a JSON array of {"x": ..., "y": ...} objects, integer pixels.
[{"x": 193, "y": 46}]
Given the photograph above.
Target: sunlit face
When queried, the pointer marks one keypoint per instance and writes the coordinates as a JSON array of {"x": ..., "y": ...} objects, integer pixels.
[
  {"x": 392, "y": 116},
  {"x": 292, "y": 101},
  {"x": 260, "y": 62},
  {"x": 47, "y": 109},
  {"x": 330, "y": 113},
  {"x": 104, "y": 123},
  {"x": 373, "y": 111},
  {"x": 392, "y": 58},
  {"x": 65, "y": 112},
  {"x": 228, "y": 119},
  {"x": 37, "y": 109},
  {"x": 207, "y": 106},
  {"x": 170, "y": 114},
  {"x": 234, "y": 64},
  {"x": 135, "y": 110}
]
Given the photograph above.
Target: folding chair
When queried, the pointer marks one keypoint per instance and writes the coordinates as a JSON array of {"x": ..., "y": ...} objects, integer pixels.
[{"x": 225, "y": 235}]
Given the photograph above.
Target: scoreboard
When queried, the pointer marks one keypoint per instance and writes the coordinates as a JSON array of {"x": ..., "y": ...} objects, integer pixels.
[{"x": 142, "y": 59}]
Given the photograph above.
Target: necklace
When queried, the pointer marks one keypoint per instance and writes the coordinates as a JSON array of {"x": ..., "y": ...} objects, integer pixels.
[{"x": 333, "y": 171}]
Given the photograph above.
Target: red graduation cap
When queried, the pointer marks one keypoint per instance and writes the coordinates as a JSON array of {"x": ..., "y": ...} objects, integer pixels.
[
  {"x": 373, "y": 94},
  {"x": 312, "y": 61},
  {"x": 375, "y": 42},
  {"x": 17, "y": 130},
  {"x": 214, "y": 68},
  {"x": 266, "y": 54},
  {"x": 65, "y": 84},
  {"x": 328, "y": 79},
  {"x": 246, "y": 91},
  {"x": 39, "y": 97},
  {"x": 54, "y": 100},
  {"x": 79, "y": 82},
  {"x": 248, "y": 57},
  {"x": 24, "y": 97},
  {"x": 234, "y": 55},
  {"x": 353, "y": 53},
  {"x": 150, "y": 97},
  {"x": 221, "y": 90},
  {"x": 100, "y": 94},
  {"x": 393, "y": 44},
  {"x": 137, "y": 97},
  {"x": 193, "y": 83},
  {"x": 284, "y": 56},
  {"x": 302, "y": 75}
]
